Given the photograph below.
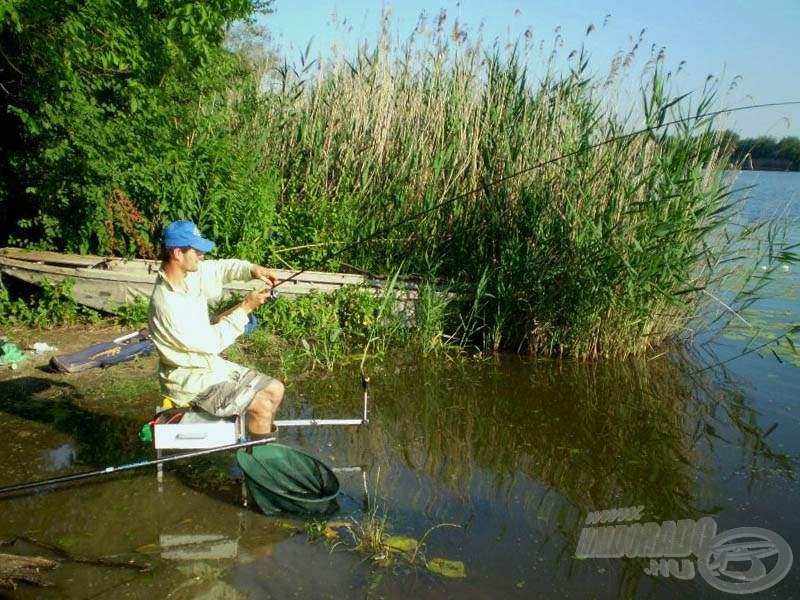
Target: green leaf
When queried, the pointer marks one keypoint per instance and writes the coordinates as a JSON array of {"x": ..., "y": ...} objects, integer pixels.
[
  {"x": 398, "y": 543},
  {"x": 453, "y": 569}
]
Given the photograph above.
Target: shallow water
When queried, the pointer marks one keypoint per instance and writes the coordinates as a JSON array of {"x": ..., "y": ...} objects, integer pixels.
[
  {"x": 512, "y": 451},
  {"x": 509, "y": 453}
]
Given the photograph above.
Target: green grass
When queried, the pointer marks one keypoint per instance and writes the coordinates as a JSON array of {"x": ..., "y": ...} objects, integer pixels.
[
  {"x": 323, "y": 330},
  {"x": 133, "y": 314},
  {"x": 604, "y": 252},
  {"x": 370, "y": 535}
]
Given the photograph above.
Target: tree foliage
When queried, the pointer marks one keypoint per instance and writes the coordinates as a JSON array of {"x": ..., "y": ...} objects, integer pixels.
[
  {"x": 766, "y": 152},
  {"x": 124, "y": 114}
]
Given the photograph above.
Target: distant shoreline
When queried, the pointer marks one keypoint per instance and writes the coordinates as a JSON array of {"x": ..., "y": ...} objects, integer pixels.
[
  {"x": 767, "y": 169},
  {"x": 735, "y": 168},
  {"x": 768, "y": 164},
  {"x": 765, "y": 153}
]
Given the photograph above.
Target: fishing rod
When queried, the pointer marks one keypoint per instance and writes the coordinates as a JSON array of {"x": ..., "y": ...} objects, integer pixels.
[
  {"x": 144, "y": 463},
  {"x": 487, "y": 185}
]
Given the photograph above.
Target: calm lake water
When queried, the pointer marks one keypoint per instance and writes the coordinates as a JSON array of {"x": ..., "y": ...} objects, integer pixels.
[{"x": 507, "y": 456}]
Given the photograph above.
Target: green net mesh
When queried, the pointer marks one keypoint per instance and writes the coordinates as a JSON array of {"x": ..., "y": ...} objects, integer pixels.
[{"x": 284, "y": 480}]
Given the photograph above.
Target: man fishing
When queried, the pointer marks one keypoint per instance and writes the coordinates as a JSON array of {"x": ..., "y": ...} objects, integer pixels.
[{"x": 191, "y": 370}]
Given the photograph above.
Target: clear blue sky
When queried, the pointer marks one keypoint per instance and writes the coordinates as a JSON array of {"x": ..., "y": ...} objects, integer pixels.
[{"x": 758, "y": 40}]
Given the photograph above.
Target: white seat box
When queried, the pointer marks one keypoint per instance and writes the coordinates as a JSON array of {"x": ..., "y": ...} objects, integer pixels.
[{"x": 195, "y": 430}]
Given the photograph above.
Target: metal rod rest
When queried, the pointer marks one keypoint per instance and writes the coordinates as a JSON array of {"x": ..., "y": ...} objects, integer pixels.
[
  {"x": 317, "y": 422},
  {"x": 323, "y": 422}
]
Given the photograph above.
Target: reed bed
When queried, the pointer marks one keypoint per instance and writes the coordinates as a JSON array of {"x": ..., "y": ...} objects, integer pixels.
[{"x": 452, "y": 160}]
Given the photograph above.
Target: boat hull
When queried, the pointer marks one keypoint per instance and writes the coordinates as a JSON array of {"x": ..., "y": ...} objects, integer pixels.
[{"x": 106, "y": 283}]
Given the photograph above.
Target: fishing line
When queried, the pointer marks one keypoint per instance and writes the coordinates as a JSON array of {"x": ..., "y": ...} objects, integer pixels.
[{"x": 487, "y": 185}]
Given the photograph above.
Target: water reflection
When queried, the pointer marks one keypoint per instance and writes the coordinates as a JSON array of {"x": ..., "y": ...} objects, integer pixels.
[
  {"x": 518, "y": 452},
  {"x": 60, "y": 458},
  {"x": 599, "y": 435},
  {"x": 95, "y": 438}
]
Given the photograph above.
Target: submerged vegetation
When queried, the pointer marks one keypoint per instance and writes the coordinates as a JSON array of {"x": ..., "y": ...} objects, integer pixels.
[
  {"x": 539, "y": 215},
  {"x": 369, "y": 535}
]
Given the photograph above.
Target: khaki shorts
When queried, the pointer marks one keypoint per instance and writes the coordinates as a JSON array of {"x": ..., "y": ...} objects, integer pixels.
[{"x": 232, "y": 397}]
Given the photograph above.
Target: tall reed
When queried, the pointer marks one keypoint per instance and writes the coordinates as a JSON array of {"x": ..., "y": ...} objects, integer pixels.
[{"x": 604, "y": 252}]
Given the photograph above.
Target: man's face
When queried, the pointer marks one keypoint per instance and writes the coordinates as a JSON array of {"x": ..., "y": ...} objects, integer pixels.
[{"x": 190, "y": 259}]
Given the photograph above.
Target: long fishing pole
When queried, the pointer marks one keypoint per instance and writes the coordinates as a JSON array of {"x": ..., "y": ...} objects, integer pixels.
[
  {"x": 135, "y": 465},
  {"x": 485, "y": 186}
]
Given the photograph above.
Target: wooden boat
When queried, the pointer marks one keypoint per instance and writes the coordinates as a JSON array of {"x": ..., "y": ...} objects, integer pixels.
[{"x": 106, "y": 282}]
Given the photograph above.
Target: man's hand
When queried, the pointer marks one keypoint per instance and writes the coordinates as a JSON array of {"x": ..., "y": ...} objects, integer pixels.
[
  {"x": 264, "y": 274},
  {"x": 255, "y": 299}
]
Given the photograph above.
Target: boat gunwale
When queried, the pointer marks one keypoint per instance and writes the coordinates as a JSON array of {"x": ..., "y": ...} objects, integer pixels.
[{"x": 116, "y": 269}]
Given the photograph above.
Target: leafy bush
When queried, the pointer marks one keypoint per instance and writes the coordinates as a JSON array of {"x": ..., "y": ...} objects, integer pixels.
[
  {"x": 327, "y": 328},
  {"x": 134, "y": 313},
  {"x": 54, "y": 304}
]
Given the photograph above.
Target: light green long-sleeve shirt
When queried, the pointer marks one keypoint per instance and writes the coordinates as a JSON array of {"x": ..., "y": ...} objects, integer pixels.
[{"x": 188, "y": 344}]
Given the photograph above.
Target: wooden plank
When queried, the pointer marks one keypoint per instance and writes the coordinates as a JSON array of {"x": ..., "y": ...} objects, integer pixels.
[
  {"x": 11, "y": 266},
  {"x": 55, "y": 258},
  {"x": 338, "y": 279},
  {"x": 35, "y": 272},
  {"x": 145, "y": 266},
  {"x": 15, "y": 569}
]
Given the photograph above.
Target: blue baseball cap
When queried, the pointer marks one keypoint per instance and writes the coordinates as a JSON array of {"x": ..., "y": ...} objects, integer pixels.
[{"x": 181, "y": 234}]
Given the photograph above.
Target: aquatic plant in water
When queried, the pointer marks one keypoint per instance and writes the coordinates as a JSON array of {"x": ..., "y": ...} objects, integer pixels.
[
  {"x": 559, "y": 230},
  {"x": 370, "y": 536}
]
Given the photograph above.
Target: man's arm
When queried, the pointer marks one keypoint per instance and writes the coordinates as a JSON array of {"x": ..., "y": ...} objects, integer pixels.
[
  {"x": 227, "y": 270},
  {"x": 177, "y": 328},
  {"x": 251, "y": 302},
  {"x": 179, "y": 325},
  {"x": 256, "y": 272}
]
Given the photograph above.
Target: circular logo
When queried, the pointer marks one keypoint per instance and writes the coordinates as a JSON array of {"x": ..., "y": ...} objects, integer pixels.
[{"x": 731, "y": 561}]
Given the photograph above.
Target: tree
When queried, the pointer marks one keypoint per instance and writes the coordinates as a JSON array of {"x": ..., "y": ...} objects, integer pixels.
[
  {"x": 762, "y": 147},
  {"x": 121, "y": 113},
  {"x": 789, "y": 149},
  {"x": 729, "y": 139}
]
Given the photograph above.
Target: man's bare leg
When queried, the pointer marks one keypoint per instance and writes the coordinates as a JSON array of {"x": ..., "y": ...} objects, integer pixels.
[{"x": 263, "y": 408}]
